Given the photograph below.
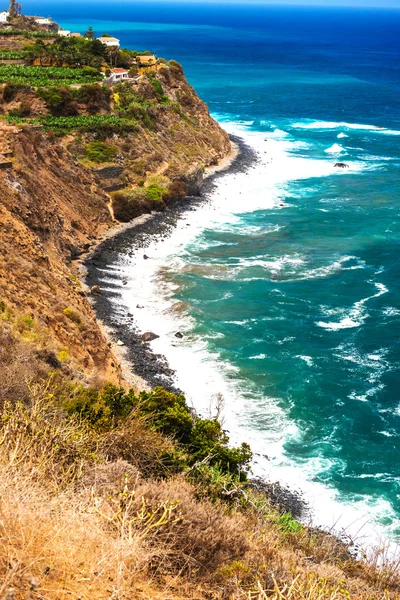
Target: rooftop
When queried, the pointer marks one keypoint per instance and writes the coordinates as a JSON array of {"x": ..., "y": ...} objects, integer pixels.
[{"x": 146, "y": 58}]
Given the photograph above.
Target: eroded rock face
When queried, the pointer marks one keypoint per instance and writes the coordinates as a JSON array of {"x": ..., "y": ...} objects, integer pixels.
[
  {"x": 193, "y": 180},
  {"x": 53, "y": 207},
  {"x": 49, "y": 214}
]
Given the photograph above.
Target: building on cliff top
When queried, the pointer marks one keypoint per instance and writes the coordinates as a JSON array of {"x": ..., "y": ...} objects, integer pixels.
[
  {"x": 117, "y": 75},
  {"x": 146, "y": 64},
  {"x": 64, "y": 32},
  {"x": 41, "y": 20},
  {"x": 109, "y": 41},
  {"x": 4, "y": 16},
  {"x": 74, "y": 35},
  {"x": 146, "y": 60}
]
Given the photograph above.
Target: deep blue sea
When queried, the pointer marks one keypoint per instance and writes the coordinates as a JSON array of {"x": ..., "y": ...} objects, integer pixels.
[{"x": 288, "y": 286}]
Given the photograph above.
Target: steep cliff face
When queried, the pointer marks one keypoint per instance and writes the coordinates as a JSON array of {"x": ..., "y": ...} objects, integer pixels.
[
  {"x": 53, "y": 208},
  {"x": 50, "y": 211}
]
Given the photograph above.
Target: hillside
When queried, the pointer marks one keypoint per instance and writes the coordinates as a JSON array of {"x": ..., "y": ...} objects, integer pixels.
[{"x": 54, "y": 205}]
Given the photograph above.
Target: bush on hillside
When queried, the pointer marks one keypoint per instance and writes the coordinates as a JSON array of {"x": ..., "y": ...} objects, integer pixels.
[
  {"x": 158, "y": 89},
  {"x": 99, "y": 152},
  {"x": 176, "y": 68},
  {"x": 96, "y": 97},
  {"x": 177, "y": 190},
  {"x": 11, "y": 90},
  {"x": 59, "y": 100},
  {"x": 128, "y": 204},
  {"x": 167, "y": 413}
]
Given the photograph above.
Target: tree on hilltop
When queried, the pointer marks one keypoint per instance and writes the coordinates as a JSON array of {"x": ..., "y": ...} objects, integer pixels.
[
  {"x": 89, "y": 33},
  {"x": 14, "y": 9}
]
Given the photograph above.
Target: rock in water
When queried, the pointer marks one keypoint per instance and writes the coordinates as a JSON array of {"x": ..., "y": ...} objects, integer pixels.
[
  {"x": 149, "y": 336},
  {"x": 179, "y": 335},
  {"x": 341, "y": 165}
]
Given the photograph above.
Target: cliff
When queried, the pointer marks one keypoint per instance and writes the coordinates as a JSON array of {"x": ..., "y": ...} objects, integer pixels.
[{"x": 54, "y": 206}]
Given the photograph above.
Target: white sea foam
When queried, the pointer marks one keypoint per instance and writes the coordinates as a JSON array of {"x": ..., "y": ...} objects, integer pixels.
[
  {"x": 201, "y": 372},
  {"x": 307, "y": 359},
  {"x": 335, "y": 149},
  {"x": 390, "y": 311},
  {"x": 356, "y": 315},
  {"x": 342, "y": 135},
  {"x": 321, "y": 125}
]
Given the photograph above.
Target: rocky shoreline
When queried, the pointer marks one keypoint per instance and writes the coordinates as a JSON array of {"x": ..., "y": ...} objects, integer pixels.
[{"x": 150, "y": 367}]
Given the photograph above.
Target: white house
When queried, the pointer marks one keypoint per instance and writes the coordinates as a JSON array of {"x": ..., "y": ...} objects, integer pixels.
[
  {"x": 111, "y": 42},
  {"x": 64, "y": 32},
  {"x": 43, "y": 20},
  {"x": 117, "y": 75},
  {"x": 4, "y": 16},
  {"x": 40, "y": 20}
]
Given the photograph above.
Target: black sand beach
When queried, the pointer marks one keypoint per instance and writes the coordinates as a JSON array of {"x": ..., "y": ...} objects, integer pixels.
[{"x": 153, "y": 368}]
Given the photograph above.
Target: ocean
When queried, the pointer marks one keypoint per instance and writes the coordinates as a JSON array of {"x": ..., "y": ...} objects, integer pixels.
[{"x": 286, "y": 286}]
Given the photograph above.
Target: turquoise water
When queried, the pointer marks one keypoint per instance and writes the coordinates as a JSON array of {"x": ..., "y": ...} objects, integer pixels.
[{"x": 291, "y": 290}]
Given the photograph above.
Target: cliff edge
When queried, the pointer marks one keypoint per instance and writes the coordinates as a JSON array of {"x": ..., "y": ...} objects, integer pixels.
[{"x": 67, "y": 179}]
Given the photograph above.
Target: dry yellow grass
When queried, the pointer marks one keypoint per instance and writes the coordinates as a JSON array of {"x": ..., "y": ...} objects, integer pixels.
[{"x": 80, "y": 519}]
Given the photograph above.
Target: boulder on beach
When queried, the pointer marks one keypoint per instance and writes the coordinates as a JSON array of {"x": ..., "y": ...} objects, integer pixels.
[
  {"x": 341, "y": 165},
  {"x": 95, "y": 290},
  {"x": 149, "y": 336}
]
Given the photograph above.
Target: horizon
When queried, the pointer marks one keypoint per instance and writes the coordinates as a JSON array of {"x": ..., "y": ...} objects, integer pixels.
[{"x": 362, "y": 4}]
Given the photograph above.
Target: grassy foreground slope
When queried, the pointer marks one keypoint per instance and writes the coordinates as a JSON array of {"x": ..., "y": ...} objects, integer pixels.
[{"x": 106, "y": 493}]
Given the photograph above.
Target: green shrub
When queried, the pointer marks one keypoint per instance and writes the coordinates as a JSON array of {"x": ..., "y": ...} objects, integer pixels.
[
  {"x": 156, "y": 192},
  {"x": 95, "y": 96},
  {"x": 212, "y": 482},
  {"x": 128, "y": 204},
  {"x": 102, "y": 409},
  {"x": 24, "y": 323},
  {"x": 203, "y": 443},
  {"x": 208, "y": 439},
  {"x": 11, "y": 89},
  {"x": 176, "y": 68},
  {"x": 72, "y": 315},
  {"x": 168, "y": 413},
  {"x": 59, "y": 100},
  {"x": 158, "y": 89},
  {"x": 99, "y": 152},
  {"x": 288, "y": 524}
]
